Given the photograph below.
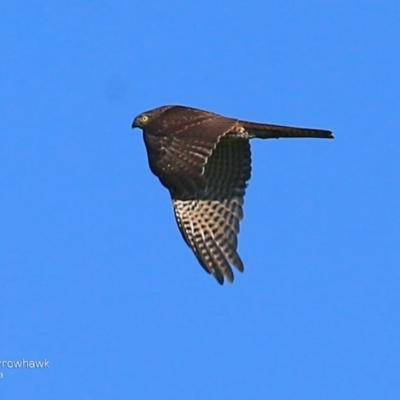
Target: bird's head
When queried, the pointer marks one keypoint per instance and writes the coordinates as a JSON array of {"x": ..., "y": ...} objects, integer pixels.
[{"x": 141, "y": 120}]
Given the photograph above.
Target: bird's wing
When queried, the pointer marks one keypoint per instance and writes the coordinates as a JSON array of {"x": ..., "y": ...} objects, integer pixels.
[
  {"x": 178, "y": 151},
  {"x": 210, "y": 223},
  {"x": 180, "y": 168}
]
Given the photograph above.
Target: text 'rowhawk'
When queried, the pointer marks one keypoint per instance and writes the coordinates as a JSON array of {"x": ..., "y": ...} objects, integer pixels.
[{"x": 204, "y": 160}]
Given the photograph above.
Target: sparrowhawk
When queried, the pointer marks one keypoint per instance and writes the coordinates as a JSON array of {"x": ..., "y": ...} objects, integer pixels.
[{"x": 204, "y": 160}]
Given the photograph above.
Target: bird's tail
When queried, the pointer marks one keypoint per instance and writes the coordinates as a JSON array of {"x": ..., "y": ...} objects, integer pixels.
[{"x": 267, "y": 131}]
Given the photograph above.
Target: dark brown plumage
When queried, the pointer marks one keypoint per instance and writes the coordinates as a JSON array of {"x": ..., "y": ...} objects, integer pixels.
[{"x": 204, "y": 160}]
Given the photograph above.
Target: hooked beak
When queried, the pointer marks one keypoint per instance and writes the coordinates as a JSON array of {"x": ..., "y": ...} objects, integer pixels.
[{"x": 135, "y": 123}]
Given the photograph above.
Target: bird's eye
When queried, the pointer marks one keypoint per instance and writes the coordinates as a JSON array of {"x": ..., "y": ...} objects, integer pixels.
[{"x": 144, "y": 118}]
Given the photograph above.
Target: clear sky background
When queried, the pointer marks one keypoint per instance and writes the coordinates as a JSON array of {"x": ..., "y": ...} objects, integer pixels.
[{"x": 94, "y": 275}]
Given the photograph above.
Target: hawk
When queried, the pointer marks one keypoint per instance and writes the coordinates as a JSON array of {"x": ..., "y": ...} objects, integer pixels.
[{"x": 204, "y": 160}]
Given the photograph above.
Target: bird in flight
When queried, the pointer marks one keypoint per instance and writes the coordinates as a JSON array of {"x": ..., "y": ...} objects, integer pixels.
[{"x": 204, "y": 160}]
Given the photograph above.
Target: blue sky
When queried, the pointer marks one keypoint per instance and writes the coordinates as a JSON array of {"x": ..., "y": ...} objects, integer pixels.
[{"x": 94, "y": 275}]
